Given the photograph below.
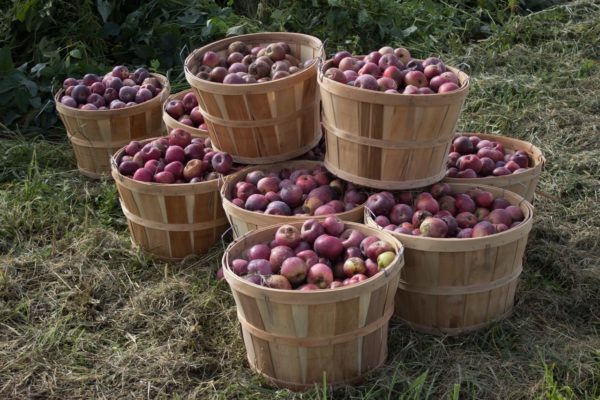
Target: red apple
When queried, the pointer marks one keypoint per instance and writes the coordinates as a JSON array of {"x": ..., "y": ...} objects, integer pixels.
[
  {"x": 328, "y": 246},
  {"x": 295, "y": 270},
  {"x": 259, "y": 251},
  {"x": 320, "y": 275},
  {"x": 278, "y": 255}
]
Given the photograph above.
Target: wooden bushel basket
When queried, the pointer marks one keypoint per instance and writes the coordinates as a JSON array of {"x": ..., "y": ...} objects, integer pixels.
[
  {"x": 171, "y": 221},
  {"x": 294, "y": 338},
  {"x": 524, "y": 183},
  {"x": 97, "y": 135},
  {"x": 453, "y": 286},
  {"x": 267, "y": 122},
  {"x": 243, "y": 221},
  {"x": 388, "y": 141},
  {"x": 171, "y": 123}
]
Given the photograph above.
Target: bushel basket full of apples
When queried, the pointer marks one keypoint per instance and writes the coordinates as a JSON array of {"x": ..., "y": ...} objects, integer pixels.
[
  {"x": 103, "y": 113},
  {"x": 493, "y": 160},
  {"x": 408, "y": 113},
  {"x": 464, "y": 248},
  {"x": 169, "y": 192},
  {"x": 181, "y": 111},
  {"x": 258, "y": 94},
  {"x": 260, "y": 196},
  {"x": 317, "y": 288}
]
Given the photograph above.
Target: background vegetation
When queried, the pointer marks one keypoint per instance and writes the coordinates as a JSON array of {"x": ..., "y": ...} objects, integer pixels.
[{"x": 82, "y": 315}]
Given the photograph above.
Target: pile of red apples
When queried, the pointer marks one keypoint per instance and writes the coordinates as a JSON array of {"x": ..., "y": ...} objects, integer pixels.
[
  {"x": 117, "y": 89},
  {"x": 473, "y": 157},
  {"x": 186, "y": 111},
  {"x": 320, "y": 255},
  {"x": 393, "y": 71},
  {"x": 442, "y": 213},
  {"x": 176, "y": 158},
  {"x": 299, "y": 192},
  {"x": 244, "y": 64}
]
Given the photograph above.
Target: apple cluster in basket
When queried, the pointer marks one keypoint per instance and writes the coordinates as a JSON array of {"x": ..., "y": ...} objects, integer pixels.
[
  {"x": 117, "y": 89},
  {"x": 186, "y": 111},
  {"x": 301, "y": 192},
  {"x": 321, "y": 255},
  {"x": 472, "y": 157},
  {"x": 393, "y": 71},
  {"x": 176, "y": 158},
  {"x": 245, "y": 64},
  {"x": 440, "y": 212}
]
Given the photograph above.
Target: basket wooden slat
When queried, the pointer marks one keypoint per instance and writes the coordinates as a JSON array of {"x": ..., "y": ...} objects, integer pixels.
[
  {"x": 97, "y": 135},
  {"x": 171, "y": 221},
  {"x": 171, "y": 123},
  {"x": 524, "y": 183},
  {"x": 388, "y": 141},
  {"x": 243, "y": 221},
  {"x": 266, "y": 122},
  {"x": 292, "y": 338},
  {"x": 452, "y": 286}
]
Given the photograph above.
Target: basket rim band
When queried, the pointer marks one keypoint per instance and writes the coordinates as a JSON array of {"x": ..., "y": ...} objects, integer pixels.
[{"x": 318, "y": 341}]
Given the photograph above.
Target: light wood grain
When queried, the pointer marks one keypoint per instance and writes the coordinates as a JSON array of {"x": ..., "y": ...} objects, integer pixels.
[
  {"x": 267, "y": 122},
  {"x": 171, "y": 123},
  {"x": 96, "y": 135},
  {"x": 388, "y": 141},
  {"x": 451, "y": 286},
  {"x": 523, "y": 183},
  {"x": 243, "y": 221},
  {"x": 171, "y": 221},
  {"x": 293, "y": 338}
]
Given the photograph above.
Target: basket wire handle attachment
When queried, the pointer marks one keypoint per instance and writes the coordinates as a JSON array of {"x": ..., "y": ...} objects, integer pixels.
[{"x": 321, "y": 60}]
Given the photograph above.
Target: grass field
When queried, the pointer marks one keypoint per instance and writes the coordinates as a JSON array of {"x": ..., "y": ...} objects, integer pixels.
[{"x": 82, "y": 315}]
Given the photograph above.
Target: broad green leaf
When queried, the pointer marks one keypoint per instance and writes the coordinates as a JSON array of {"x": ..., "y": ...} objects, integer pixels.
[
  {"x": 35, "y": 102},
  {"x": 37, "y": 69},
  {"x": 110, "y": 29},
  {"x": 6, "y": 62},
  {"x": 22, "y": 7},
  {"x": 190, "y": 17},
  {"x": 409, "y": 31},
  {"x": 236, "y": 30},
  {"x": 75, "y": 53},
  {"x": 104, "y": 8}
]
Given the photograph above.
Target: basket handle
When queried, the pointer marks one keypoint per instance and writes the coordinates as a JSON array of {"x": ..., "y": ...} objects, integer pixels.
[
  {"x": 225, "y": 248},
  {"x": 321, "y": 60}
]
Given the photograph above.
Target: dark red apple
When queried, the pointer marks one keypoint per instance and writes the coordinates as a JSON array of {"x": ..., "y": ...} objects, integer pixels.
[
  {"x": 175, "y": 168},
  {"x": 309, "y": 256},
  {"x": 239, "y": 266},
  {"x": 259, "y": 251},
  {"x": 259, "y": 267},
  {"x": 256, "y": 202},
  {"x": 222, "y": 162},
  {"x": 499, "y": 216},
  {"x": 465, "y": 233},
  {"x": 466, "y": 220},
  {"x": 329, "y": 246},
  {"x": 278, "y": 255},
  {"x": 366, "y": 81}
]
